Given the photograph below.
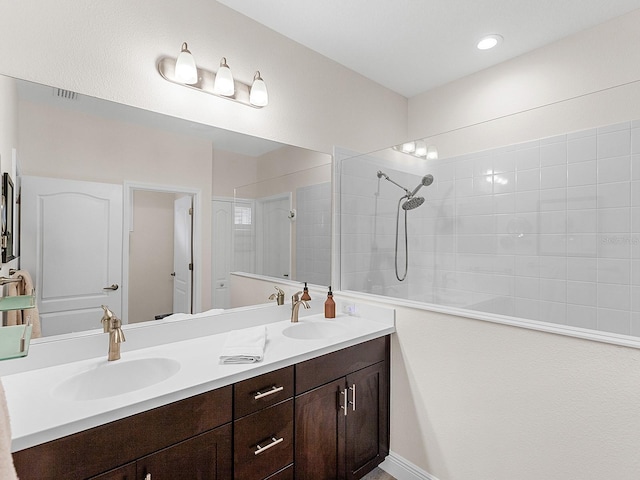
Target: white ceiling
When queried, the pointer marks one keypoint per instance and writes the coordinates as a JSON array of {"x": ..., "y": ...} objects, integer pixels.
[{"x": 411, "y": 46}]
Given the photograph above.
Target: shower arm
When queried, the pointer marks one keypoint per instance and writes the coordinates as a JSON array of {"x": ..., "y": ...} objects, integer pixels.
[{"x": 386, "y": 177}]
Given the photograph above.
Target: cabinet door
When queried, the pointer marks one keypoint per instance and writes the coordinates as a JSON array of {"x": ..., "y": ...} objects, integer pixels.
[
  {"x": 128, "y": 472},
  {"x": 320, "y": 430},
  {"x": 367, "y": 428},
  {"x": 205, "y": 457}
]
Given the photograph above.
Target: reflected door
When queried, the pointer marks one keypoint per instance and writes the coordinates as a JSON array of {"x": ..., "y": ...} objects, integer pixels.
[
  {"x": 71, "y": 243},
  {"x": 221, "y": 252},
  {"x": 273, "y": 238},
  {"x": 183, "y": 263}
]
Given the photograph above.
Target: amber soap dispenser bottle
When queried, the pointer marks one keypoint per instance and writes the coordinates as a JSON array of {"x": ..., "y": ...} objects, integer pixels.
[{"x": 330, "y": 305}]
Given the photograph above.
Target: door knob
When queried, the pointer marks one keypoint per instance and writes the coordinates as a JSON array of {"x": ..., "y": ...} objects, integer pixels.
[{"x": 115, "y": 286}]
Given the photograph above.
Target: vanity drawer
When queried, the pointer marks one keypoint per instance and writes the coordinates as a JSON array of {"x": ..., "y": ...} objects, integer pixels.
[
  {"x": 263, "y": 391},
  {"x": 263, "y": 442},
  {"x": 321, "y": 370},
  {"x": 284, "y": 474}
]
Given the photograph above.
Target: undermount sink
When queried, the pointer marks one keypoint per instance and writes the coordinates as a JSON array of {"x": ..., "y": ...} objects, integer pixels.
[
  {"x": 116, "y": 378},
  {"x": 313, "y": 330}
]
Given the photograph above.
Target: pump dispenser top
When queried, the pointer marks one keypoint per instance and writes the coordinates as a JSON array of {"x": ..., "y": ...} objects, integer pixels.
[
  {"x": 305, "y": 293},
  {"x": 330, "y": 305}
]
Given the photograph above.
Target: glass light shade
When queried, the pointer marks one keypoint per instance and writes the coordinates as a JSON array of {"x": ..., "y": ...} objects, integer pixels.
[
  {"x": 408, "y": 147},
  {"x": 421, "y": 149},
  {"x": 223, "y": 84},
  {"x": 258, "y": 95},
  {"x": 186, "y": 71},
  {"x": 432, "y": 152}
]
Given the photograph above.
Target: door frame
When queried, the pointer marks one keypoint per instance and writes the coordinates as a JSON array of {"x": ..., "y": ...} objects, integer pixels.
[{"x": 129, "y": 189}]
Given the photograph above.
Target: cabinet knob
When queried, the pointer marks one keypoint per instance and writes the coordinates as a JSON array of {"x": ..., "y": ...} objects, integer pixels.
[{"x": 148, "y": 477}]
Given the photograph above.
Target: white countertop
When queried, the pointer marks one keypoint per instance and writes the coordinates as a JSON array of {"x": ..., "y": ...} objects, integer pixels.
[{"x": 38, "y": 416}]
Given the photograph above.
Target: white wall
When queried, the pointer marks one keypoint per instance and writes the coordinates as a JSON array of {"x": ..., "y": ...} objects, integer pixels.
[
  {"x": 475, "y": 400},
  {"x": 109, "y": 50}
]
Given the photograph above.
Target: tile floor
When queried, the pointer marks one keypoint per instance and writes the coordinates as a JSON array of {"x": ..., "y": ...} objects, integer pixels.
[{"x": 378, "y": 474}]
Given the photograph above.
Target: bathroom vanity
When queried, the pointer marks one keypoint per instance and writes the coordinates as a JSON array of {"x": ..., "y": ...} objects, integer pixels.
[{"x": 315, "y": 408}]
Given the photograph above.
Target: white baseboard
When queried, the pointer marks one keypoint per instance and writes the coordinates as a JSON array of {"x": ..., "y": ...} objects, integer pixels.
[{"x": 403, "y": 469}]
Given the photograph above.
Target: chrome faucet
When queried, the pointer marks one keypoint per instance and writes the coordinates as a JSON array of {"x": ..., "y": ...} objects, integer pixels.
[
  {"x": 295, "y": 306},
  {"x": 279, "y": 297},
  {"x": 112, "y": 325}
]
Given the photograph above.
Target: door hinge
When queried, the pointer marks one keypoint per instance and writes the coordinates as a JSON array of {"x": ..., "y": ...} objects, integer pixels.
[
  {"x": 191, "y": 266},
  {"x": 190, "y": 210}
]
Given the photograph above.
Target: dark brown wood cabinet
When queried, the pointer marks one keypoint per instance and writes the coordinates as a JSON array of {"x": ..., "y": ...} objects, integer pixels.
[
  {"x": 128, "y": 472},
  {"x": 263, "y": 425},
  {"x": 342, "y": 427},
  {"x": 107, "y": 452},
  {"x": 325, "y": 418}
]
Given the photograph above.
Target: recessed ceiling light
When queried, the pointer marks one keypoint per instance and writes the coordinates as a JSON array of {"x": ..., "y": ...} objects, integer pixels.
[{"x": 489, "y": 41}]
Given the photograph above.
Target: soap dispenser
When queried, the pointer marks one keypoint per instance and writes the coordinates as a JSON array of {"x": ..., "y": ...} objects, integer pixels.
[
  {"x": 330, "y": 305},
  {"x": 305, "y": 293}
]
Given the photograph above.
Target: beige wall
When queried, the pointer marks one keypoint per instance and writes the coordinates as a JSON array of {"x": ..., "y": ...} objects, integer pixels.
[
  {"x": 109, "y": 50},
  {"x": 151, "y": 256},
  {"x": 476, "y": 400}
]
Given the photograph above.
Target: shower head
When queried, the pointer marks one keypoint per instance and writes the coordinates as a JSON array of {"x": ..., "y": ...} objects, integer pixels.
[
  {"x": 381, "y": 175},
  {"x": 413, "y": 202},
  {"x": 424, "y": 182}
]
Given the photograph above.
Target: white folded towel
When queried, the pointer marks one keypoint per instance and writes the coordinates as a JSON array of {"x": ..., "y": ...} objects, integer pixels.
[{"x": 244, "y": 346}]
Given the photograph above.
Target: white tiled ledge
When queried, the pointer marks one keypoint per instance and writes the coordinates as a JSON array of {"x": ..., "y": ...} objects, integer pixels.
[
  {"x": 559, "y": 329},
  {"x": 37, "y": 416}
]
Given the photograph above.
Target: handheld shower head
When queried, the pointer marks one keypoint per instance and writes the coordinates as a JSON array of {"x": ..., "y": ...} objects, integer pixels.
[{"x": 425, "y": 182}]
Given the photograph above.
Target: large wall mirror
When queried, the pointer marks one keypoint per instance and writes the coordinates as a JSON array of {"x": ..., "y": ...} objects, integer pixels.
[{"x": 161, "y": 199}]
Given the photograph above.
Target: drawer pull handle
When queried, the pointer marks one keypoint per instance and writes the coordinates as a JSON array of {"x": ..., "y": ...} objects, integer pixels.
[
  {"x": 274, "y": 442},
  {"x": 353, "y": 403},
  {"x": 273, "y": 390},
  {"x": 345, "y": 406}
]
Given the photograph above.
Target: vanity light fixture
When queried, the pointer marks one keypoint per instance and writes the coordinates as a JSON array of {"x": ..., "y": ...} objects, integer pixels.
[
  {"x": 489, "y": 41},
  {"x": 418, "y": 149},
  {"x": 183, "y": 71},
  {"x": 186, "y": 71},
  {"x": 223, "y": 84},
  {"x": 259, "y": 95}
]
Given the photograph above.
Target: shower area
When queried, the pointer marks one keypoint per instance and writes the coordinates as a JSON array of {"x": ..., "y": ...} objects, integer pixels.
[{"x": 546, "y": 229}]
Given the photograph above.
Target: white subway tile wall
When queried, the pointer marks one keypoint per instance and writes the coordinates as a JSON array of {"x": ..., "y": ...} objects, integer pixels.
[{"x": 547, "y": 230}]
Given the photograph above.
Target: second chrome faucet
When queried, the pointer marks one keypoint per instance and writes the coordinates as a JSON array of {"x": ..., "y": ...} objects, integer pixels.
[{"x": 296, "y": 301}]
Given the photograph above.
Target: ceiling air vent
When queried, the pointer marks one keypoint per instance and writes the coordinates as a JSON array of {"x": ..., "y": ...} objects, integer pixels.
[{"x": 66, "y": 94}]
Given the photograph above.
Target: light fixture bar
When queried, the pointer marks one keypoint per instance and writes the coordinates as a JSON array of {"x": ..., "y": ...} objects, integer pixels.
[{"x": 206, "y": 80}]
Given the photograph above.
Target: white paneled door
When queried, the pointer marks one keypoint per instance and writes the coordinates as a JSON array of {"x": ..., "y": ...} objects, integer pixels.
[
  {"x": 221, "y": 252},
  {"x": 182, "y": 259},
  {"x": 71, "y": 244}
]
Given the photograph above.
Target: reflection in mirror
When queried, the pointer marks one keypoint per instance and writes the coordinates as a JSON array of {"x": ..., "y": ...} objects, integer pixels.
[
  {"x": 282, "y": 225},
  {"x": 542, "y": 229},
  {"x": 89, "y": 153}
]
